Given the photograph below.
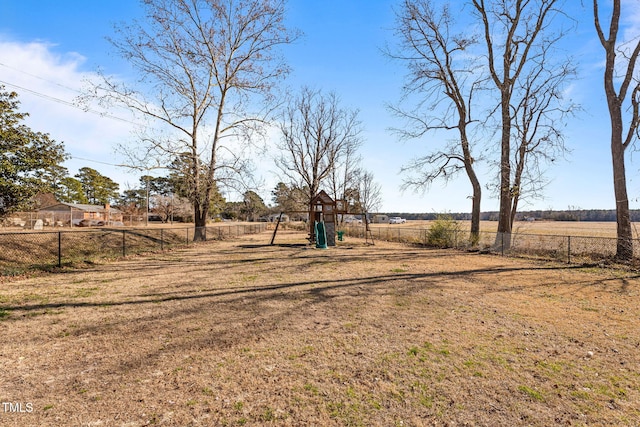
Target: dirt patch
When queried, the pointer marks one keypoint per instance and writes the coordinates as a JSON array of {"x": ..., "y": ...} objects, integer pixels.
[{"x": 242, "y": 333}]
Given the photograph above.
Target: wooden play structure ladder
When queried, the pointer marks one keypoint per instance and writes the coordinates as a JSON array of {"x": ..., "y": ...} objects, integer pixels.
[{"x": 367, "y": 230}]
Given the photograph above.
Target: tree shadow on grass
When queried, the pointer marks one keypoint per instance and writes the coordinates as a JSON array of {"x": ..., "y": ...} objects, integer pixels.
[
  {"x": 316, "y": 287},
  {"x": 280, "y": 245}
]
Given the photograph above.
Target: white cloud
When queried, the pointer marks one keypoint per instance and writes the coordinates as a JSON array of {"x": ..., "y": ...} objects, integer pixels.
[{"x": 48, "y": 84}]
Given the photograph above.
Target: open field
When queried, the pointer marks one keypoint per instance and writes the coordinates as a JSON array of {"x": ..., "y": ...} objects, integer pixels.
[
  {"x": 561, "y": 228},
  {"x": 237, "y": 332}
]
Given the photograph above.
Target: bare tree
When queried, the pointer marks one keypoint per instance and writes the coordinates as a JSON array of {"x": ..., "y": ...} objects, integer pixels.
[
  {"x": 622, "y": 88},
  {"x": 369, "y": 192},
  {"x": 517, "y": 36},
  {"x": 370, "y": 197},
  {"x": 316, "y": 136},
  {"x": 203, "y": 66},
  {"x": 171, "y": 206},
  {"x": 537, "y": 121},
  {"x": 343, "y": 178},
  {"x": 441, "y": 73}
]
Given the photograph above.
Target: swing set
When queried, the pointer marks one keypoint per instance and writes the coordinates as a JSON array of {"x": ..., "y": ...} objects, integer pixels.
[{"x": 323, "y": 212}]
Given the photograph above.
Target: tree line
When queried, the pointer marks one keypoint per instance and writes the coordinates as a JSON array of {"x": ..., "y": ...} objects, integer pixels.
[{"x": 587, "y": 215}]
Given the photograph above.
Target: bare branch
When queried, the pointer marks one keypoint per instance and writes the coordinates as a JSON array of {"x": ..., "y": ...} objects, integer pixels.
[
  {"x": 201, "y": 65},
  {"x": 443, "y": 74},
  {"x": 317, "y": 135}
]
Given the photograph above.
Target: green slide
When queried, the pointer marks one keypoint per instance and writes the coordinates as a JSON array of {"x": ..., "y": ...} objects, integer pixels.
[{"x": 321, "y": 235}]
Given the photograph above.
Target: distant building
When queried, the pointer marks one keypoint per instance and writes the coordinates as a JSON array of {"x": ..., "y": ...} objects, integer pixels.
[
  {"x": 380, "y": 219},
  {"x": 274, "y": 218},
  {"x": 73, "y": 213}
]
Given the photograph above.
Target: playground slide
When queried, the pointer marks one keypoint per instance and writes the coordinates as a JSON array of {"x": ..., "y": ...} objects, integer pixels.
[{"x": 321, "y": 235}]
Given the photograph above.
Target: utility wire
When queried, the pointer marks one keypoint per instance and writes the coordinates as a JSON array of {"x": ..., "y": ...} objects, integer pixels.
[
  {"x": 70, "y": 104},
  {"x": 96, "y": 161},
  {"x": 40, "y": 78}
]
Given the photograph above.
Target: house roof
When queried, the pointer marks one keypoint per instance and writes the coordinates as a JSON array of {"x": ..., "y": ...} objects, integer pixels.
[{"x": 80, "y": 207}]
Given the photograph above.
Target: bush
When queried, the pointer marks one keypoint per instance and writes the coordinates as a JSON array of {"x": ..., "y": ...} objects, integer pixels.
[{"x": 443, "y": 232}]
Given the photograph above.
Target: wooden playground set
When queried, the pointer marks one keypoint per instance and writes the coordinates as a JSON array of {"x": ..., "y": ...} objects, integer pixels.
[{"x": 323, "y": 216}]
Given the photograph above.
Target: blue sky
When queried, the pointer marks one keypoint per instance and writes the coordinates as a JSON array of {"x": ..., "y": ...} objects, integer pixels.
[{"x": 47, "y": 48}]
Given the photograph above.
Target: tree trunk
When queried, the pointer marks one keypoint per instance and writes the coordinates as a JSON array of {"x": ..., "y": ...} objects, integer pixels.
[
  {"x": 475, "y": 210},
  {"x": 514, "y": 208},
  {"x": 200, "y": 219},
  {"x": 517, "y": 181},
  {"x": 475, "y": 184},
  {"x": 503, "y": 237},
  {"x": 624, "y": 248}
]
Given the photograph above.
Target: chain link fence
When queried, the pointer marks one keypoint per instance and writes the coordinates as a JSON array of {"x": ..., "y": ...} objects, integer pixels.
[
  {"x": 570, "y": 249},
  {"x": 24, "y": 251}
]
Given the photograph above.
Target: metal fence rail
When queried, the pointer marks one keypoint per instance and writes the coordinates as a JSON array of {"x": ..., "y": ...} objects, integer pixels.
[
  {"x": 570, "y": 249},
  {"x": 20, "y": 252}
]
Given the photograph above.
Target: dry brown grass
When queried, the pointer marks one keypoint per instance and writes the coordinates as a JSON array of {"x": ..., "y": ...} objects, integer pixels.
[{"x": 242, "y": 333}]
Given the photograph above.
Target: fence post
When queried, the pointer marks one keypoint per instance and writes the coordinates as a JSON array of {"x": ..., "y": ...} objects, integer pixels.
[
  {"x": 124, "y": 247},
  {"x": 568, "y": 249},
  {"x": 162, "y": 239},
  {"x": 59, "y": 248}
]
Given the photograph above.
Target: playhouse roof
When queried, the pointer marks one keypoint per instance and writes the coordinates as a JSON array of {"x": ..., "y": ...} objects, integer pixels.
[{"x": 323, "y": 198}]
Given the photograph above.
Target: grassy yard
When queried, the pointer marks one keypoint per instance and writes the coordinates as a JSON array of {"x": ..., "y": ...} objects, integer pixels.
[{"x": 239, "y": 333}]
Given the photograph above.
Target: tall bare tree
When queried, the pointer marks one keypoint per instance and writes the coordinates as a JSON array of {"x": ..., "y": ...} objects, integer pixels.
[
  {"x": 206, "y": 67},
  {"x": 370, "y": 194},
  {"x": 442, "y": 73},
  {"x": 369, "y": 197},
  {"x": 317, "y": 134},
  {"x": 343, "y": 178},
  {"x": 538, "y": 118},
  {"x": 622, "y": 88},
  {"x": 517, "y": 35}
]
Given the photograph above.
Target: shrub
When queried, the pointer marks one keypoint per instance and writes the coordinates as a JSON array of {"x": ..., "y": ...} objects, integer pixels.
[{"x": 443, "y": 232}]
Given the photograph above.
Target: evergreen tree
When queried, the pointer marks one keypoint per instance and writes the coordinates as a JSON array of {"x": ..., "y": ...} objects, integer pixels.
[
  {"x": 97, "y": 188},
  {"x": 29, "y": 161},
  {"x": 70, "y": 190}
]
